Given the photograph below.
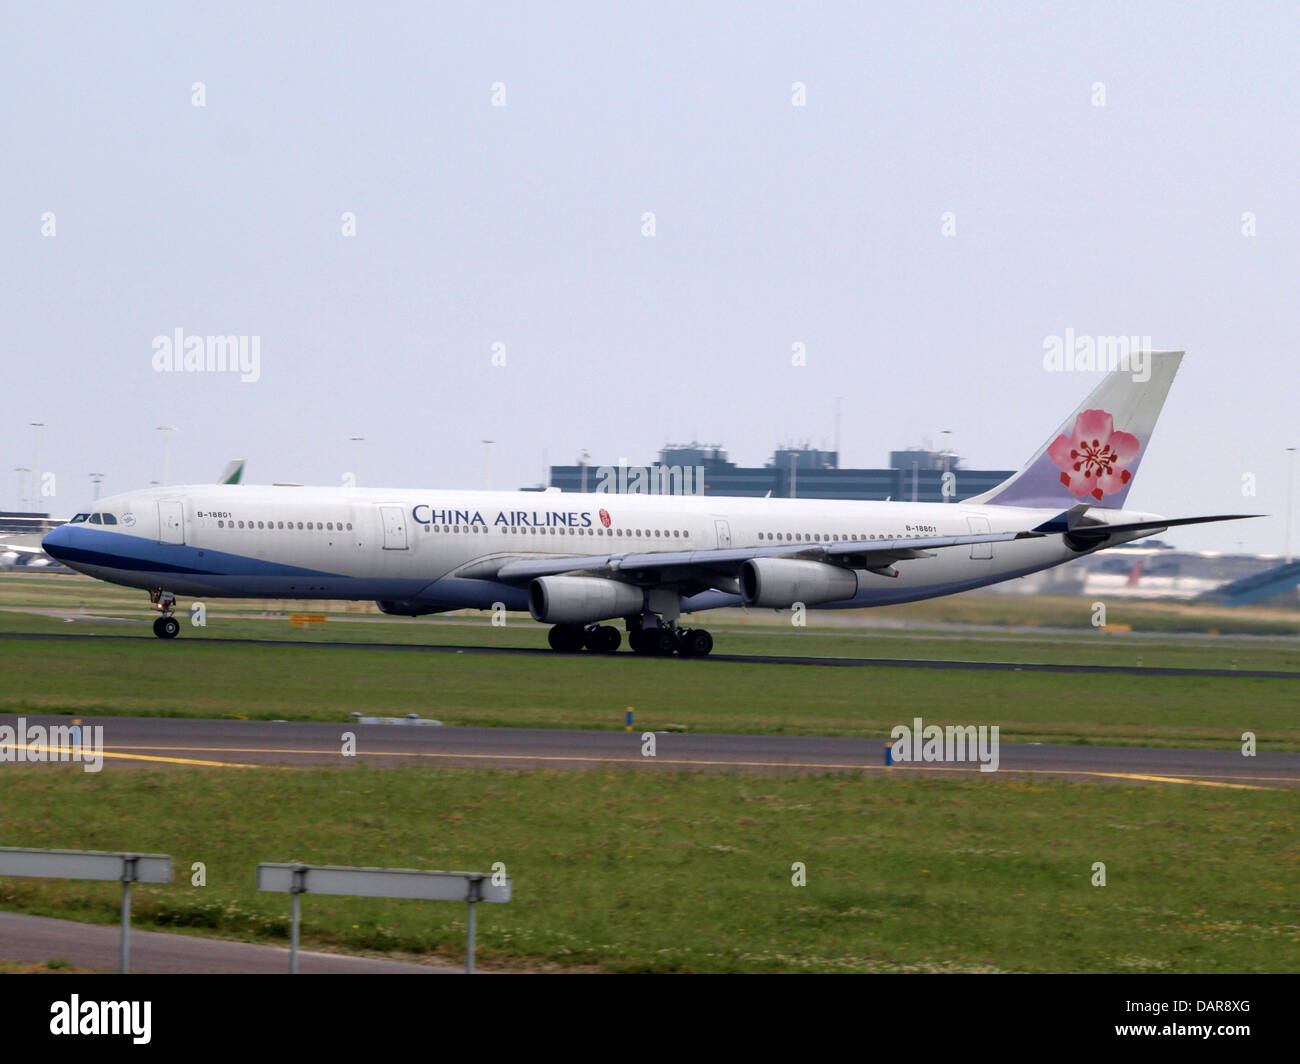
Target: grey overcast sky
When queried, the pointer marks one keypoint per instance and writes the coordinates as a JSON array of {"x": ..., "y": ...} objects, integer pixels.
[{"x": 1103, "y": 166}]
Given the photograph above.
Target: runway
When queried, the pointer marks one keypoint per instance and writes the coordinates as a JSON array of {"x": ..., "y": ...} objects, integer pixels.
[
  {"x": 154, "y": 741},
  {"x": 740, "y": 659}
]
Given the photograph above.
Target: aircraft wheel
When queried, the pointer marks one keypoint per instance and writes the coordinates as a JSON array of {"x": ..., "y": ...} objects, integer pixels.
[
  {"x": 566, "y": 638},
  {"x": 684, "y": 642},
  {"x": 166, "y": 627},
  {"x": 696, "y": 644},
  {"x": 662, "y": 641},
  {"x": 602, "y": 638}
]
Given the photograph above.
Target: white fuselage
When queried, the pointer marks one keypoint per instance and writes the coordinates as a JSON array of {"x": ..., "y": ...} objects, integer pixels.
[{"x": 438, "y": 550}]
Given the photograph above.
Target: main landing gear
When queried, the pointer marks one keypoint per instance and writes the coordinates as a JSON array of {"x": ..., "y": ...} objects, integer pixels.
[
  {"x": 662, "y": 641},
  {"x": 657, "y": 640},
  {"x": 570, "y": 638},
  {"x": 166, "y": 626}
]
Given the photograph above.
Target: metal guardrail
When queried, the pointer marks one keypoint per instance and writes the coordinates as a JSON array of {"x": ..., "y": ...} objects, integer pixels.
[
  {"x": 294, "y": 879},
  {"x": 300, "y": 879},
  {"x": 126, "y": 868}
]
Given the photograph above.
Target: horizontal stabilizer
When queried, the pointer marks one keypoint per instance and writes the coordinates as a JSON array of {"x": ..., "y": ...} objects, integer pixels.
[{"x": 1063, "y": 523}]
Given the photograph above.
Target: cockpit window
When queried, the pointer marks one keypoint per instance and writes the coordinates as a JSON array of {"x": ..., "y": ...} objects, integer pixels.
[
  {"x": 109, "y": 519},
  {"x": 96, "y": 519},
  {"x": 79, "y": 519}
]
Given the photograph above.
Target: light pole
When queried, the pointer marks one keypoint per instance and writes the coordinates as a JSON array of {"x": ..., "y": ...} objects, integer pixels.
[
  {"x": 946, "y": 452},
  {"x": 96, "y": 479},
  {"x": 487, "y": 464},
  {"x": 36, "y": 465},
  {"x": 582, "y": 461},
  {"x": 1290, "y": 498},
  {"x": 356, "y": 459},
  {"x": 167, "y": 453},
  {"x": 794, "y": 473},
  {"x": 22, "y": 486}
]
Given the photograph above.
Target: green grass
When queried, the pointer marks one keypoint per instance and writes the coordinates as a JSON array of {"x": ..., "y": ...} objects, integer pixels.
[
  {"x": 692, "y": 872},
  {"x": 197, "y": 678},
  {"x": 1091, "y": 647},
  {"x": 56, "y": 965},
  {"x": 1038, "y": 611}
]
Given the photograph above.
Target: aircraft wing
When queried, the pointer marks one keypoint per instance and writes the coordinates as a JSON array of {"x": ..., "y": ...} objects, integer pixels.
[
  {"x": 22, "y": 544},
  {"x": 700, "y": 564}
]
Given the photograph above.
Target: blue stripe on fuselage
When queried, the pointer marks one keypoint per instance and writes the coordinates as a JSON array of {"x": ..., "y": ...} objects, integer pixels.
[{"x": 115, "y": 550}]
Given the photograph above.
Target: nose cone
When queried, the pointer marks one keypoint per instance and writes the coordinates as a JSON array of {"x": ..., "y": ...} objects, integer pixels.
[{"x": 57, "y": 543}]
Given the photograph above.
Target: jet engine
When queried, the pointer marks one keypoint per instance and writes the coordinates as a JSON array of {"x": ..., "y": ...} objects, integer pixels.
[
  {"x": 781, "y": 582},
  {"x": 581, "y": 599}
]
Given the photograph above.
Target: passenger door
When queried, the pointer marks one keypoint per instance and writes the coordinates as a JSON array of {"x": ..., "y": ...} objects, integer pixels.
[
  {"x": 171, "y": 521},
  {"x": 724, "y": 533},
  {"x": 394, "y": 527},
  {"x": 979, "y": 526}
]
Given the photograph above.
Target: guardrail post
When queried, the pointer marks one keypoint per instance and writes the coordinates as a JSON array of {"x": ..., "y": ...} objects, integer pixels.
[
  {"x": 474, "y": 894},
  {"x": 298, "y": 888},
  {"x": 128, "y": 875}
]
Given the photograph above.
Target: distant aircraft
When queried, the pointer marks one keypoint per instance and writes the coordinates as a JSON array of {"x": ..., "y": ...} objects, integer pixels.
[
  {"x": 577, "y": 560},
  {"x": 23, "y": 550}
]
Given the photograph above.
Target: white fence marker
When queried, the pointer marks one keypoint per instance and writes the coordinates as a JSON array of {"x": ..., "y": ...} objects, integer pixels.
[{"x": 299, "y": 879}]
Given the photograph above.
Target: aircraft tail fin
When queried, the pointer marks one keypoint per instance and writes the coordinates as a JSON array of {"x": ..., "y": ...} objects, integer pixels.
[
  {"x": 233, "y": 473},
  {"x": 1094, "y": 455}
]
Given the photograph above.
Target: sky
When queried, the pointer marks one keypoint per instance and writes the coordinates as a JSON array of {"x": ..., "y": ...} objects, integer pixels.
[{"x": 606, "y": 227}]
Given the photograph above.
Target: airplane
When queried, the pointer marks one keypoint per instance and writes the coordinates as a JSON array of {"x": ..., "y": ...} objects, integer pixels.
[{"x": 576, "y": 561}]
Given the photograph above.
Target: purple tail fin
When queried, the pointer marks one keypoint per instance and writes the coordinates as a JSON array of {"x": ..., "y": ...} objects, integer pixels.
[{"x": 1094, "y": 456}]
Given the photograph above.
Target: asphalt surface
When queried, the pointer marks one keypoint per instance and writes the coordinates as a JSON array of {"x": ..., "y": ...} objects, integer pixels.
[
  {"x": 38, "y": 939},
  {"x": 745, "y": 659},
  {"x": 230, "y": 743}
]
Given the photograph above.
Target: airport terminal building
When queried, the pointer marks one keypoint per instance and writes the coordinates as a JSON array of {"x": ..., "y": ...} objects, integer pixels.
[{"x": 914, "y": 475}]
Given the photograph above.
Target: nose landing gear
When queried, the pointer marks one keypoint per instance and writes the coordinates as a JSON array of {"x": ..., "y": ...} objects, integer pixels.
[{"x": 166, "y": 626}]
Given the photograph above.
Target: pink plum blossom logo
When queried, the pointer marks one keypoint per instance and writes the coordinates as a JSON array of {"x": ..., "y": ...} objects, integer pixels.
[{"x": 1094, "y": 457}]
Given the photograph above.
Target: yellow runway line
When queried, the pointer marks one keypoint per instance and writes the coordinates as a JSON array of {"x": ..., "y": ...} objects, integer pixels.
[
  {"x": 129, "y": 757},
  {"x": 578, "y": 758},
  {"x": 1183, "y": 779}
]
